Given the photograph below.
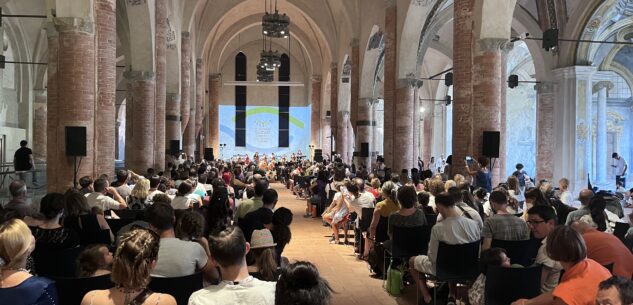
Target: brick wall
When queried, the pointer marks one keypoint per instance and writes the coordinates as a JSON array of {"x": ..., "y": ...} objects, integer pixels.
[
  {"x": 391, "y": 60},
  {"x": 105, "y": 119},
  {"x": 161, "y": 84}
]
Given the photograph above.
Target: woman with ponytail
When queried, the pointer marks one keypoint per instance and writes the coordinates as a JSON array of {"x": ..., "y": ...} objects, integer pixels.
[
  {"x": 134, "y": 260},
  {"x": 282, "y": 218},
  {"x": 301, "y": 284},
  {"x": 384, "y": 208},
  {"x": 598, "y": 216},
  {"x": 262, "y": 260},
  {"x": 17, "y": 285}
]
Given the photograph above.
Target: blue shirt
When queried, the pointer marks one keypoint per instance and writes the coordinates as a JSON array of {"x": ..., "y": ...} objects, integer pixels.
[{"x": 33, "y": 291}]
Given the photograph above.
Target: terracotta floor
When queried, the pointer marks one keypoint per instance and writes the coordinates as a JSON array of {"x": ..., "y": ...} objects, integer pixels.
[{"x": 348, "y": 276}]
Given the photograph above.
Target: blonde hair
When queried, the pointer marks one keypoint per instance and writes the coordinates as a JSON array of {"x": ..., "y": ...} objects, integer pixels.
[
  {"x": 513, "y": 184},
  {"x": 15, "y": 243},
  {"x": 375, "y": 183},
  {"x": 448, "y": 184},
  {"x": 564, "y": 183},
  {"x": 436, "y": 186},
  {"x": 389, "y": 190},
  {"x": 459, "y": 179},
  {"x": 133, "y": 260},
  {"x": 141, "y": 189}
]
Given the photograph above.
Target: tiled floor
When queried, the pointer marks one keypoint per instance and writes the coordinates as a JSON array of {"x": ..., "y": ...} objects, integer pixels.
[{"x": 348, "y": 276}]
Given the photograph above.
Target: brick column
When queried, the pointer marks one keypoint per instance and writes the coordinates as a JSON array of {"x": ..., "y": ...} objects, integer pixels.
[
  {"x": 172, "y": 118},
  {"x": 39, "y": 125},
  {"x": 403, "y": 136},
  {"x": 364, "y": 129},
  {"x": 199, "y": 107},
  {"x": 342, "y": 139},
  {"x": 545, "y": 141},
  {"x": 71, "y": 97},
  {"x": 214, "y": 113},
  {"x": 140, "y": 120},
  {"x": 161, "y": 85},
  {"x": 185, "y": 85},
  {"x": 334, "y": 105},
  {"x": 504, "y": 113},
  {"x": 315, "y": 116},
  {"x": 391, "y": 60},
  {"x": 463, "y": 87},
  {"x": 487, "y": 93},
  {"x": 105, "y": 132},
  {"x": 355, "y": 86},
  {"x": 427, "y": 132}
]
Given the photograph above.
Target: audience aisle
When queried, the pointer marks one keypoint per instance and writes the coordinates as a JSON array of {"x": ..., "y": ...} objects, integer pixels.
[{"x": 348, "y": 276}]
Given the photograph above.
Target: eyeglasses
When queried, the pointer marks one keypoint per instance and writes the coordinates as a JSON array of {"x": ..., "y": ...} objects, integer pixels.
[{"x": 534, "y": 222}]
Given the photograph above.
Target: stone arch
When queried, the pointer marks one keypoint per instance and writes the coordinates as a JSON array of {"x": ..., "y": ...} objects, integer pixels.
[{"x": 373, "y": 50}]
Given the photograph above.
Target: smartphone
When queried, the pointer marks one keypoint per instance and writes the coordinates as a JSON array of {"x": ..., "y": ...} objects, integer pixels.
[{"x": 469, "y": 160}]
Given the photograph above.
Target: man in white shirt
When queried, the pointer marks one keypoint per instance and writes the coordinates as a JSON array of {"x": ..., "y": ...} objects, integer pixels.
[
  {"x": 463, "y": 209},
  {"x": 154, "y": 181},
  {"x": 620, "y": 169},
  {"x": 542, "y": 220},
  {"x": 99, "y": 198},
  {"x": 228, "y": 250}
]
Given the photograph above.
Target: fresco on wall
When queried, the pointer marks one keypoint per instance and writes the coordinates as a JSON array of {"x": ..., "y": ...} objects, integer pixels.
[{"x": 521, "y": 129}]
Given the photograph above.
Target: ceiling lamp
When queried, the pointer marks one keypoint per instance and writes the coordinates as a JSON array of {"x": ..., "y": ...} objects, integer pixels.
[
  {"x": 264, "y": 75},
  {"x": 270, "y": 60},
  {"x": 275, "y": 25}
]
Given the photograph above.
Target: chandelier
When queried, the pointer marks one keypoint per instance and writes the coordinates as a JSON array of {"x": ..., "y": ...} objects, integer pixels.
[
  {"x": 264, "y": 75},
  {"x": 275, "y": 25},
  {"x": 270, "y": 60}
]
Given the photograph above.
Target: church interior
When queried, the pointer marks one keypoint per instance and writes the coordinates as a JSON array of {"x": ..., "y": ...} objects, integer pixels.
[{"x": 431, "y": 106}]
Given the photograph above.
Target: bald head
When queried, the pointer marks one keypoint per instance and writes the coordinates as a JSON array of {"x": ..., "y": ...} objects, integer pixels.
[
  {"x": 585, "y": 196},
  {"x": 581, "y": 226}
]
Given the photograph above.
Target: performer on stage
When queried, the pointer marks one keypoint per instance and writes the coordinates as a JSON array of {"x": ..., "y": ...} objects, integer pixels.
[
  {"x": 247, "y": 160},
  {"x": 256, "y": 158}
]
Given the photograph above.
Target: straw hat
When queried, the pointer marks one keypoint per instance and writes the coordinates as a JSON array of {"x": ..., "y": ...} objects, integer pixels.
[{"x": 262, "y": 239}]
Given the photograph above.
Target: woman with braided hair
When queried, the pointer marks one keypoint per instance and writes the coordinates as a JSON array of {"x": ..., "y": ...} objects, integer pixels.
[{"x": 134, "y": 260}]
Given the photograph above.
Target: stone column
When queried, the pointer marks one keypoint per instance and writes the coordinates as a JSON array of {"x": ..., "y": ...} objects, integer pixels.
[
  {"x": 199, "y": 106},
  {"x": 545, "y": 141},
  {"x": 601, "y": 130},
  {"x": 315, "y": 116},
  {"x": 172, "y": 118},
  {"x": 342, "y": 135},
  {"x": 403, "y": 134},
  {"x": 572, "y": 126},
  {"x": 389, "y": 91},
  {"x": 39, "y": 125},
  {"x": 214, "y": 112},
  {"x": 71, "y": 97},
  {"x": 364, "y": 130},
  {"x": 355, "y": 85},
  {"x": 105, "y": 131},
  {"x": 334, "y": 106},
  {"x": 140, "y": 120},
  {"x": 161, "y": 85},
  {"x": 463, "y": 83},
  {"x": 487, "y": 93},
  {"x": 427, "y": 138},
  {"x": 185, "y": 85}
]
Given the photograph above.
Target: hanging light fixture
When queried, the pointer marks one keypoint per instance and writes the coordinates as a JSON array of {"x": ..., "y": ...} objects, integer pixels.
[
  {"x": 269, "y": 61},
  {"x": 275, "y": 25}
]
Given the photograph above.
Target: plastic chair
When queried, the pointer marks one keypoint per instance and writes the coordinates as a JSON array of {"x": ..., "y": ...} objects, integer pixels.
[
  {"x": 517, "y": 250},
  {"x": 506, "y": 285},
  {"x": 620, "y": 230},
  {"x": 365, "y": 219},
  {"x": 381, "y": 230},
  {"x": 409, "y": 241},
  {"x": 72, "y": 290},
  {"x": 56, "y": 262},
  {"x": 117, "y": 224},
  {"x": 181, "y": 288},
  {"x": 455, "y": 263}
]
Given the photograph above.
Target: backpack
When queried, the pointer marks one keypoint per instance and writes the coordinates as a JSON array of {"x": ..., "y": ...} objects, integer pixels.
[{"x": 394, "y": 280}]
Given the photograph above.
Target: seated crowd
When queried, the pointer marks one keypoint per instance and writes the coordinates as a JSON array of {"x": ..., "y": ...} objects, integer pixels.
[
  {"x": 215, "y": 221},
  {"x": 515, "y": 224}
]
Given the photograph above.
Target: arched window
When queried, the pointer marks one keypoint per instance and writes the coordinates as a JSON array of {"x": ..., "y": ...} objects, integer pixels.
[
  {"x": 240, "y": 101},
  {"x": 284, "y": 102}
]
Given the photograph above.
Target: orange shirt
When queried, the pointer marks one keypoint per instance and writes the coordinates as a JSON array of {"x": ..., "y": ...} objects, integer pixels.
[
  {"x": 579, "y": 284},
  {"x": 605, "y": 249}
]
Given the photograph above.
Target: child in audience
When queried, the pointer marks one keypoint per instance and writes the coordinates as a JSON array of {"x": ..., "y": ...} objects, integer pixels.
[
  {"x": 489, "y": 257},
  {"x": 95, "y": 260},
  {"x": 300, "y": 283}
]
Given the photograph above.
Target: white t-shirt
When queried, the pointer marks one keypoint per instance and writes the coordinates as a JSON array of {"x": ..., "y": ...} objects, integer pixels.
[
  {"x": 553, "y": 267},
  {"x": 619, "y": 166},
  {"x": 249, "y": 291},
  {"x": 179, "y": 258},
  {"x": 150, "y": 196},
  {"x": 181, "y": 203},
  {"x": 104, "y": 202},
  {"x": 365, "y": 200},
  {"x": 567, "y": 198}
]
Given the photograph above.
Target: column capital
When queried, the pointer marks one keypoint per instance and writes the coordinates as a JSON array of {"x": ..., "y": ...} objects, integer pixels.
[
  {"x": 215, "y": 76},
  {"x": 199, "y": 61},
  {"x": 605, "y": 84},
  {"x": 73, "y": 24},
  {"x": 574, "y": 72},
  {"x": 412, "y": 82},
  {"x": 186, "y": 35},
  {"x": 316, "y": 78},
  {"x": 390, "y": 3},
  {"x": 334, "y": 65},
  {"x": 494, "y": 45},
  {"x": 139, "y": 75}
]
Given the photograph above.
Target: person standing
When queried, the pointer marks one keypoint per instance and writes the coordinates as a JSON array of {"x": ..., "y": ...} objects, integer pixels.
[
  {"x": 620, "y": 169},
  {"x": 23, "y": 162}
]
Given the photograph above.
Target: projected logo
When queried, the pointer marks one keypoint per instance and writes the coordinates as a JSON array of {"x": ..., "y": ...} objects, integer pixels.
[{"x": 262, "y": 131}]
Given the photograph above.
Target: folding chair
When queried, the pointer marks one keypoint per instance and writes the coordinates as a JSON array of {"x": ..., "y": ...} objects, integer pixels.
[
  {"x": 181, "y": 288},
  {"x": 71, "y": 290},
  {"x": 506, "y": 285}
]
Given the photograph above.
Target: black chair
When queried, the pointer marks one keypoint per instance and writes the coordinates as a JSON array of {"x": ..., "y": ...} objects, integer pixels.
[
  {"x": 381, "y": 230},
  {"x": 181, "y": 288},
  {"x": 517, "y": 250},
  {"x": 506, "y": 285},
  {"x": 620, "y": 230},
  {"x": 117, "y": 224},
  {"x": 409, "y": 241},
  {"x": 129, "y": 214},
  {"x": 72, "y": 290},
  {"x": 431, "y": 219},
  {"x": 55, "y": 262},
  {"x": 454, "y": 263},
  {"x": 365, "y": 218}
]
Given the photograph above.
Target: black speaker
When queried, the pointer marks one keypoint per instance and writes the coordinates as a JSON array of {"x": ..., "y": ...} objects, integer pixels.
[
  {"x": 76, "y": 141},
  {"x": 318, "y": 155},
  {"x": 174, "y": 147},
  {"x": 490, "y": 144},
  {"x": 208, "y": 154},
  {"x": 364, "y": 150}
]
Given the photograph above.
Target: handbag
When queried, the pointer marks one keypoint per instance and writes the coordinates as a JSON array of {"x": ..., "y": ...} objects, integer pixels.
[{"x": 394, "y": 280}]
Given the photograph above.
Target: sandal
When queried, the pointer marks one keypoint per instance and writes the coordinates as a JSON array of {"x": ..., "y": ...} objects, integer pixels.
[{"x": 334, "y": 242}]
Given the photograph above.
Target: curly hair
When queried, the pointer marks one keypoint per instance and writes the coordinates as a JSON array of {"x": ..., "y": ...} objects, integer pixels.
[{"x": 133, "y": 259}]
